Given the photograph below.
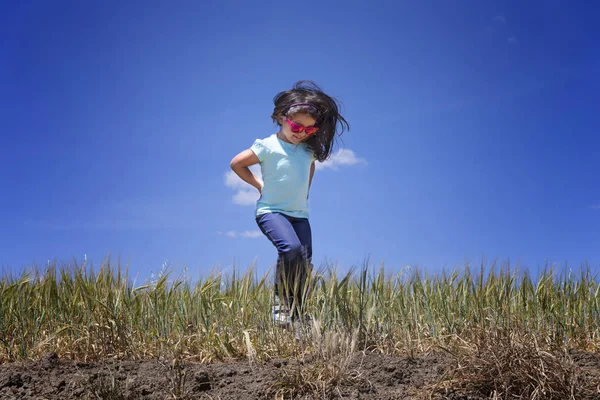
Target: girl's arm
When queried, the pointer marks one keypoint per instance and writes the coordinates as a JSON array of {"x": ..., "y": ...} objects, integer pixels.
[
  {"x": 312, "y": 172},
  {"x": 240, "y": 163}
]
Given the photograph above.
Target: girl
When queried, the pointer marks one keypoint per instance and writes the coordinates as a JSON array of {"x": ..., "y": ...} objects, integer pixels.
[{"x": 308, "y": 121}]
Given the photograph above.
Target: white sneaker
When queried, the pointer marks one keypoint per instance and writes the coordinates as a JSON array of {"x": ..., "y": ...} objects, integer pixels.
[{"x": 280, "y": 313}]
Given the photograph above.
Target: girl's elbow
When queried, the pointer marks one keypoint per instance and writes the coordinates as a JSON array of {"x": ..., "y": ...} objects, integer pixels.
[{"x": 236, "y": 166}]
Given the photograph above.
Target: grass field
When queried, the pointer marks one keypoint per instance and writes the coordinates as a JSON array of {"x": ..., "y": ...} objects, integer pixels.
[{"x": 488, "y": 319}]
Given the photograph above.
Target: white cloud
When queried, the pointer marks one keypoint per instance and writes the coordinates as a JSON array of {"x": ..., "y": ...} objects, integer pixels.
[
  {"x": 513, "y": 39},
  {"x": 595, "y": 207},
  {"x": 245, "y": 195},
  {"x": 345, "y": 157},
  {"x": 499, "y": 18},
  {"x": 251, "y": 234},
  {"x": 233, "y": 181},
  {"x": 244, "y": 235}
]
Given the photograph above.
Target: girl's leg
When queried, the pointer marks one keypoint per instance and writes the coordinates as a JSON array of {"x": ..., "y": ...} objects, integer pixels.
[
  {"x": 289, "y": 238},
  {"x": 303, "y": 231}
]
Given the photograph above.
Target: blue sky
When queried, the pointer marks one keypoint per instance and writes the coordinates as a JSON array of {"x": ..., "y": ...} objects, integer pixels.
[{"x": 475, "y": 131}]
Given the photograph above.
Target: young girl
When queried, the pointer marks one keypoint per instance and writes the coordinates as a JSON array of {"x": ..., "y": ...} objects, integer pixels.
[{"x": 308, "y": 122}]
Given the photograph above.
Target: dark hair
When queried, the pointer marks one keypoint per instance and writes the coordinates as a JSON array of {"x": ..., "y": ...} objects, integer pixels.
[{"x": 323, "y": 108}]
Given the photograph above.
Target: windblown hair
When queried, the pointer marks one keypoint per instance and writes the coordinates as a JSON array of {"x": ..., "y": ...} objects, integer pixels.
[{"x": 323, "y": 108}]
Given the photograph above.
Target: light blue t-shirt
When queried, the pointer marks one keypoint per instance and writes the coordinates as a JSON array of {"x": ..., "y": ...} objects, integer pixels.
[{"x": 285, "y": 169}]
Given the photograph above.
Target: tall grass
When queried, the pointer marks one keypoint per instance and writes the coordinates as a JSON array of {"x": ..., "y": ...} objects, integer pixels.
[{"x": 87, "y": 314}]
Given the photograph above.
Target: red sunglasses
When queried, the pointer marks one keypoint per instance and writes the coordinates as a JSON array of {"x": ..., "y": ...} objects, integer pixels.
[{"x": 297, "y": 128}]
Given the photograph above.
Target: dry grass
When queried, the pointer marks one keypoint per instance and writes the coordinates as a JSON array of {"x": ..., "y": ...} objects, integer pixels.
[
  {"x": 516, "y": 365},
  {"x": 510, "y": 332},
  {"x": 322, "y": 370}
]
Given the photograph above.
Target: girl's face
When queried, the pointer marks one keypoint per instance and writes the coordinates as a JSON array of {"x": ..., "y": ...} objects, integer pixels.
[{"x": 286, "y": 134}]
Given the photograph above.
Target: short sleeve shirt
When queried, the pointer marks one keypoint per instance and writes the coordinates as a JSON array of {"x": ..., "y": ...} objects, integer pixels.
[{"x": 285, "y": 169}]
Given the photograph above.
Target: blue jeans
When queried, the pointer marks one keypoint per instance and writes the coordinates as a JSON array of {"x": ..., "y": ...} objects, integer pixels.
[{"x": 293, "y": 240}]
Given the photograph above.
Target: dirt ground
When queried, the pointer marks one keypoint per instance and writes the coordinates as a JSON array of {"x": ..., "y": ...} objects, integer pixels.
[{"x": 370, "y": 376}]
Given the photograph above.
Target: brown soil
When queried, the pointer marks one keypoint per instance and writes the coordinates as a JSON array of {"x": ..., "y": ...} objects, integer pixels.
[{"x": 369, "y": 376}]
